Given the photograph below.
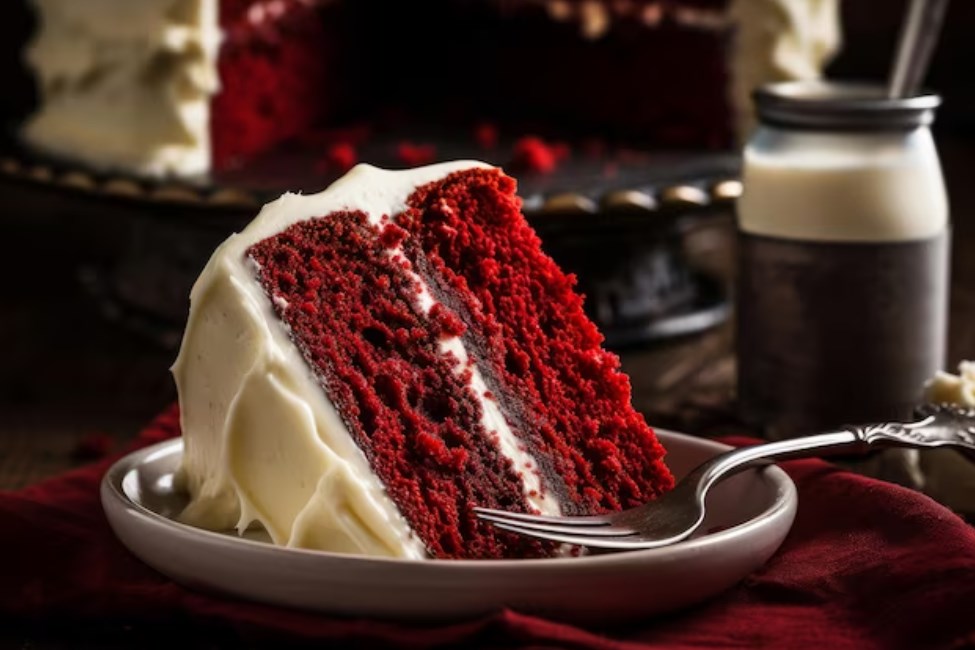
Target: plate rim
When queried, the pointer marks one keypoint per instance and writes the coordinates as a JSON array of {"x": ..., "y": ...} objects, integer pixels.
[{"x": 784, "y": 505}]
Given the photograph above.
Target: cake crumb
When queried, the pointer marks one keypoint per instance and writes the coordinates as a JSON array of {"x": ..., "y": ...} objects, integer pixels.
[
  {"x": 415, "y": 155},
  {"x": 532, "y": 154},
  {"x": 339, "y": 158},
  {"x": 486, "y": 135}
]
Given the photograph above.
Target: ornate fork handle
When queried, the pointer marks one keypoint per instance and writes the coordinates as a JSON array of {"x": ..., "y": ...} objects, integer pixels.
[
  {"x": 940, "y": 425},
  {"x": 943, "y": 425}
]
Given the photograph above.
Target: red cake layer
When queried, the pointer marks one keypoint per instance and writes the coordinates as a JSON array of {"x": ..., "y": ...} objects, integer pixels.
[
  {"x": 287, "y": 66},
  {"x": 280, "y": 67},
  {"x": 544, "y": 353},
  {"x": 353, "y": 311}
]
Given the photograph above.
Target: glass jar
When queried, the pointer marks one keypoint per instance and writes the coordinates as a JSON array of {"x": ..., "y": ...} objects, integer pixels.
[{"x": 843, "y": 257}]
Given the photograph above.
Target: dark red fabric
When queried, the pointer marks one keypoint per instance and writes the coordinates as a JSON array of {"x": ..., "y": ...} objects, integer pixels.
[{"x": 867, "y": 565}]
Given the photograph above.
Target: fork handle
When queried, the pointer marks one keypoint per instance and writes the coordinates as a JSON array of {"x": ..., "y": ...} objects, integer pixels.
[
  {"x": 943, "y": 425},
  {"x": 737, "y": 460}
]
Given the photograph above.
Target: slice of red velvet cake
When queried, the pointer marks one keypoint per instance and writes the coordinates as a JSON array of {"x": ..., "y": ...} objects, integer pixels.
[{"x": 363, "y": 366}]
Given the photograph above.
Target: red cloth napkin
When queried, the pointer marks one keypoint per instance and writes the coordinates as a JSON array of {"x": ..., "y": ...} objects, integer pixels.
[{"x": 867, "y": 565}]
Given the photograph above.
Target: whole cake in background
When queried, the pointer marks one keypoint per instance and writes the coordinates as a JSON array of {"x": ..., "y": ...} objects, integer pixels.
[
  {"x": 363, "y": 366},
  {"x": 184, "y": 87}
]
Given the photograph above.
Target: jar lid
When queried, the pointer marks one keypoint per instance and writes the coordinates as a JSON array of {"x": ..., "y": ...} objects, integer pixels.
[{"x": 830, "y": 105}]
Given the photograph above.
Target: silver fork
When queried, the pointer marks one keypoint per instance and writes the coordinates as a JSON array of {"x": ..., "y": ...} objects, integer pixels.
[{"x": 678, "y": 513}]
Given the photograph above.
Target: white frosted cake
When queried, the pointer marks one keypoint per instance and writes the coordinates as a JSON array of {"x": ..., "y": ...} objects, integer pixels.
[{"x": 184, "y": 87}]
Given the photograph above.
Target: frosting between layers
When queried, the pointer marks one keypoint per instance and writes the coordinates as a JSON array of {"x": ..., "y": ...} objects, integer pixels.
[
  {"x": 492, "y": 419},
  {"x": 126, "y": 84},
  {"x": 262, "y": 441}
]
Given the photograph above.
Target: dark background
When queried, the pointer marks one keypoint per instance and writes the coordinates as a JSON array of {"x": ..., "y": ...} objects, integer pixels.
[
  {"x": 67, "y": 374},
  {"x": 870, "y": 26}
]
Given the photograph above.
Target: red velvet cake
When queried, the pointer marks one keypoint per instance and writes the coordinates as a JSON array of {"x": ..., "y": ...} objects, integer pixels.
[
  {"x": 182, "y": 87},
  {"x": 364, "y": 366},
  {"x": 279, "y": 74}
]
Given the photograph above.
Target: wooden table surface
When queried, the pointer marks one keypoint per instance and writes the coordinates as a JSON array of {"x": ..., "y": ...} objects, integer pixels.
[{"x": 70, "y": 380}]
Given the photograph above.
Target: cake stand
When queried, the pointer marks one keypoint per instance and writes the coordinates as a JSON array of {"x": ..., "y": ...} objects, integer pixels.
[{"x": 615, "y": 220}]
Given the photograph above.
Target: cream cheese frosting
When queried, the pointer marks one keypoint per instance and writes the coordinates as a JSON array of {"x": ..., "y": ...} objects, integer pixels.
[
  {"x": 263, "y": 444},
  {"x": 126, "y": 84}
]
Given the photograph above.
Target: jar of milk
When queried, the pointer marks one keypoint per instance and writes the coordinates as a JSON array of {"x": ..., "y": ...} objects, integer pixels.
[{"x": 843, "y": 257}]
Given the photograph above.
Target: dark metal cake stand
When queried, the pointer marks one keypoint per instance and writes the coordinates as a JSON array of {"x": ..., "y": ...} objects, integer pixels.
[{"x": 615, "y": 221}]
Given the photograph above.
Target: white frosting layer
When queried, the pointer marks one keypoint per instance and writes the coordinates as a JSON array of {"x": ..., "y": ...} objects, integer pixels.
[
  {"x": 126, "y": 84},
  {"x": 262, "y": 441},
  {"x": 779, "y": 40}
]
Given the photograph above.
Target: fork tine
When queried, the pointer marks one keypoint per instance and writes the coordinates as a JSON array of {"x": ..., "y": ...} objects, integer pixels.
[
  {"x": 585, "y": 540},
  {"x": 589, "y": 520},
  {"x": 601, "y": 529}
]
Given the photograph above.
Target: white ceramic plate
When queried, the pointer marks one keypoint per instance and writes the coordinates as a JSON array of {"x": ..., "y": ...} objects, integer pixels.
[{"x": 749, "y": 516}]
